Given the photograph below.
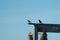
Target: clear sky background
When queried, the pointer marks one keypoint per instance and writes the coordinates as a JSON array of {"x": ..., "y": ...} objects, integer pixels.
[{"x": 14, "y": 15}]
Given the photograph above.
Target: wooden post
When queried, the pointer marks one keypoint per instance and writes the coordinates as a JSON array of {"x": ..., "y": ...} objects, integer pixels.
[{"x": 36, "y": 34}]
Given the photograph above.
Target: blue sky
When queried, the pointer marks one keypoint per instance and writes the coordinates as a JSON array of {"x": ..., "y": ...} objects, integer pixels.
[{"x": 14, "y": 15}]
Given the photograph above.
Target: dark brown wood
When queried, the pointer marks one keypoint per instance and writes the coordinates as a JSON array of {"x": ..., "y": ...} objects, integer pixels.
[{"x": 47, "y": 27}]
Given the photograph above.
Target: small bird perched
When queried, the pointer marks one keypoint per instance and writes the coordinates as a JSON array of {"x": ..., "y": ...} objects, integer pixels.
[
  {"x": 29, "y": 21},
  {"x": 40, "y": 21}
]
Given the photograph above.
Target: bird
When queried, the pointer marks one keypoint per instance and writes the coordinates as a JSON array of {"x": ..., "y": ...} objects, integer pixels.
[
  {"x": 29, "y": 21},
  {"x": 40, "y": 21}
]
